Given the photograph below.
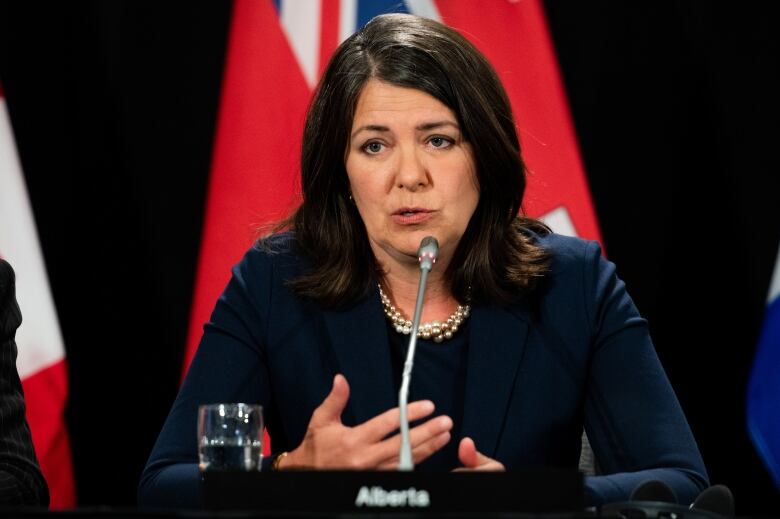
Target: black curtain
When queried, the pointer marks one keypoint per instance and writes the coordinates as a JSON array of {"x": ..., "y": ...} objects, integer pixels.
[
  {"x": 676, "y": 108},
  {"x": 113, "y": 107}
]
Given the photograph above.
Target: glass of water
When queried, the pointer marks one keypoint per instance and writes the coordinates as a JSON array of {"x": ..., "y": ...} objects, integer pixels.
[{"x": 230, "y": 437}]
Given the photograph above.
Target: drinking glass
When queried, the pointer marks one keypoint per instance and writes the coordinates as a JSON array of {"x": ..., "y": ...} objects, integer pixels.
[{"x": 230, "y": 437}]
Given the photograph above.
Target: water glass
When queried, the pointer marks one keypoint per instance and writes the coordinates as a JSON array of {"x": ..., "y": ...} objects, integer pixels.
[{"x": 230, "y": 437}]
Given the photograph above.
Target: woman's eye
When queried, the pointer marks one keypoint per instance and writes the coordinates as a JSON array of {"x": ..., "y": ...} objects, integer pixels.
[
  {"x": 440, "y": 142},
  {"x": 373, "y": 147}
]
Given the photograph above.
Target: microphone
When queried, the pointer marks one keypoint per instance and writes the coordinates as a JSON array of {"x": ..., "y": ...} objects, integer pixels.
[
  {"x": 654, "y": 490},
  {"x": 655, "y": 499},
  {"x": 426, "y": 255},
  {"x": 717, "y": 499}
]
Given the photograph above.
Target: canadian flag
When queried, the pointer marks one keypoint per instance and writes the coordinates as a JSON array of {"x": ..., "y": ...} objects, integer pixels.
[
  {"x": 276, "y": 51},
  {"x": 41, "y": 360}
]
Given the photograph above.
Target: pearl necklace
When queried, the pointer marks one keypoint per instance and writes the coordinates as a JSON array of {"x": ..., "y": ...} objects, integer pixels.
[{"x": 436, "y": 330}]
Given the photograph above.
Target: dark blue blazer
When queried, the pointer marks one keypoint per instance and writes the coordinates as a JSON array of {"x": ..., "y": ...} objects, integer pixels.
[{"x": 575, "y": 354}]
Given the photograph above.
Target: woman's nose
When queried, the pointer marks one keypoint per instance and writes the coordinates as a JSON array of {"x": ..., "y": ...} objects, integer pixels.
[{"x": 412, "y": 173}]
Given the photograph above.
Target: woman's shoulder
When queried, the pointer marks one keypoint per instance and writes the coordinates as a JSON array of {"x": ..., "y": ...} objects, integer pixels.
[
  {"x": 265, "y": 271},
  {"x": 577, "y": 267},
  {"x": 566, "y": 252},
  {"x": 280, "y": 247},
  {"x": 278, "y": 244},
  {"x": 278, "y": 255}
]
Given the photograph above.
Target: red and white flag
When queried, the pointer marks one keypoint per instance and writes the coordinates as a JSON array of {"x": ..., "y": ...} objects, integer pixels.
[
  {"x": 41, "y": 360},
  {"x": 276, "y": 52}
]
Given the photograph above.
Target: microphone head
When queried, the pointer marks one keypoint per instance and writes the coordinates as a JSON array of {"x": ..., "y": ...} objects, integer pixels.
[
  {"x": 717, "y": 499},
  {"x": 654, "y": 490},
  {"x": 428, "y": 252}
]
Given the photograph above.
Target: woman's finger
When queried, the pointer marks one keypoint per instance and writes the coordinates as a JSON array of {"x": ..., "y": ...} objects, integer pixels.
[
  {"x": 426, "y": 449},
  {"x": 421, "y": 452},
  {"x": 472, "y": 459},
  {"x": 389, "y": 449},
  {"x": 467, "y": 453},
  {"x": 331, "y": 408},
  {"x": 492, "y": 466},
  {"x": 377, "y": 428}
]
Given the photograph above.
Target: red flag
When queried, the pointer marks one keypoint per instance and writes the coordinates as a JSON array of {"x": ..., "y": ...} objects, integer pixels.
[
  {"x": 255, "y": 164},
  {"x": 41, "y": 361}
]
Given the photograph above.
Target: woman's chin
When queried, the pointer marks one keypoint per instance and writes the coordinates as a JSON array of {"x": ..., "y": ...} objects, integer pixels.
[
  {"x": 401, "y": 249},
  {"x": 398, "y": 251},
  {"x": 413, "y": 239}
]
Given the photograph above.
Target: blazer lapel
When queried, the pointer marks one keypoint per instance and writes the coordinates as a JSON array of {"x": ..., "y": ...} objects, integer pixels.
[
  {"x": 359, "y": 338},
  {"x": 496, "y": 343}
]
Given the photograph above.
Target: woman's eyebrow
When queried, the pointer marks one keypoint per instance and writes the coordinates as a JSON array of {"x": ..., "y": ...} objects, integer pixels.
[
  {"x": 437, "y": 124},
  {"x": 420, "y": 127},
  {"x": 371, "y": 127}
]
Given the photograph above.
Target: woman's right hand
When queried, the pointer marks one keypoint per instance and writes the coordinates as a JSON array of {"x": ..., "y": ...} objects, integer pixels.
[{"x": 329, "y": 444}]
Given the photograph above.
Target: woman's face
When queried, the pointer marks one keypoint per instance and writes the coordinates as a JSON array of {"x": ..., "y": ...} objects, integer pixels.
[{"x": 410, "y": 172}]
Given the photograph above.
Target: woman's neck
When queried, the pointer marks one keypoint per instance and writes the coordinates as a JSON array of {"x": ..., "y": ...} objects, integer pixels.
[{"x": 401, "y": 281}]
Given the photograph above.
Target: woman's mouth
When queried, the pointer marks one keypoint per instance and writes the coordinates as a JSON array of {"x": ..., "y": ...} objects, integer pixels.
[{"x": 411, "y": 215}]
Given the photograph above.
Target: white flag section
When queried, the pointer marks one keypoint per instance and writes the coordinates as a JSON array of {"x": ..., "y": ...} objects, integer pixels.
[
  {"x": 774, "y": 287},
  {"x": 41, "y": 357},
  {"x": 560, "y": 221},
  {"x": 39, "y": 339}
]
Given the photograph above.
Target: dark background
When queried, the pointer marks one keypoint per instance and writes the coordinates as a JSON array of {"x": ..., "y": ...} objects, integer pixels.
[{"x": 676, "y": 107}]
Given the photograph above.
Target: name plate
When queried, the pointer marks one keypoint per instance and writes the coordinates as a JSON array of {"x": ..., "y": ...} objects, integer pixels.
[{"x": 534, "y": 491}]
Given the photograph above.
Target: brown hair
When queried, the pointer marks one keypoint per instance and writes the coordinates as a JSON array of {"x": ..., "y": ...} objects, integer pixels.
[{"x": 496, "y": 259}]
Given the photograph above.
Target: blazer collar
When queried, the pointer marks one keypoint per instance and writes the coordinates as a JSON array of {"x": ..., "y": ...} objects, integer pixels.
[
  {"x": 496, "y": 343},
  {"x": 359, "y": 338}
]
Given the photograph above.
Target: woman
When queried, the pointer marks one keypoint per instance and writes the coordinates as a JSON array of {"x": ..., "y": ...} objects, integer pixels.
[{"x": 410, "y": 134}]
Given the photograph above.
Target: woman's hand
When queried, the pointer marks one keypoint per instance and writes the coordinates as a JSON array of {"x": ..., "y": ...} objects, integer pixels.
[
  {"x": 329, "y": 444},
  {"x": 472, "y": 459}
]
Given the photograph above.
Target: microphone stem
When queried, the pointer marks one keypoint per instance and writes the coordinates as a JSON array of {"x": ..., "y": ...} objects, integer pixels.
[{"x": 405, "y": 460}]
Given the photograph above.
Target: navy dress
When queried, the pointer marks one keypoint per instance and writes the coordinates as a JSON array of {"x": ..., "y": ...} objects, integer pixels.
[{"x": 438, "y": 375}]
